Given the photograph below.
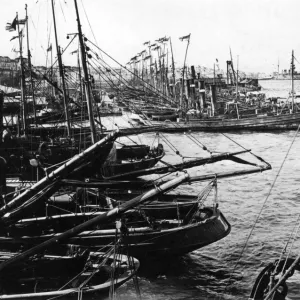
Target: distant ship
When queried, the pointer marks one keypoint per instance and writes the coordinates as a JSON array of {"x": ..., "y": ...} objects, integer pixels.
[
  {"x": 266, "y": 78},
  {"x": 287, "y": 77}
]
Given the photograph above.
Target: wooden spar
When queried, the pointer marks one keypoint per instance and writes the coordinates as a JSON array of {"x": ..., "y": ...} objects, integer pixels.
[
  {"x": 19, "y": 213},
  {"x": 180, "y": 166},
  {"x": 110, "y": 215},
  {"x": 86, "y": 77},
  {"x": 57, "y": 174},
  {"x": 228, "y": 174},
  {"x": 130, "y": 184},
  {"x": 29, "y": 65},
  {"x": 62, "y": 73},
  {"x": 114, "y": 213},
  {"x": 23, "y": 86}
]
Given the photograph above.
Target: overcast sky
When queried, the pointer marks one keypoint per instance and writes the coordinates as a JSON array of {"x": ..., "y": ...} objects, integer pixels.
[{"x": 260, "y": 32}]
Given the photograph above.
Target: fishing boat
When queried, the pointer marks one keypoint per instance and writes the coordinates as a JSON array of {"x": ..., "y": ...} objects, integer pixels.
[
  {"x": 143, "y": 236},
  {"x": 130, "y": 159},
  {"x": 286, "y": 117},
  {"x": 94, "y": 278},
  {"x": 258, "y": 122}
]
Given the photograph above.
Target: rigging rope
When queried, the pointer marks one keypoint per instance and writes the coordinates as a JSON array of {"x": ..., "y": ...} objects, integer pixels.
[{"x": 261, "y": 210}]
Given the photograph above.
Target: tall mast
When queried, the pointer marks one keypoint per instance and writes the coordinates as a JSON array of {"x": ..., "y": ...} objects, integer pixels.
[
  {"x": 237, "y": 76},
  {"x": 234, "y": 77},
  {"x": 29, "y": 65},
  {"x": 61, "y": 72},
  {"x": 182, "y": 88},
  {"x": 86, "y": 78},
  {"x": 23, "y": 96},
  {"x": 173, "y": 69},
  {"x": 293, "y": 80}
]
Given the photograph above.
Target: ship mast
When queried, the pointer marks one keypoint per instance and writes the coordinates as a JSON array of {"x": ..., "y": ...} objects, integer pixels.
[
  {"x": 86, "y": 77},
  {"x": 29, "y": 65},
  {"x": 61, "y": 72},
  {"x": 173, "y": 70},
  {"x": 182, "y": 88},
  {"x": 23, "y": 96}
]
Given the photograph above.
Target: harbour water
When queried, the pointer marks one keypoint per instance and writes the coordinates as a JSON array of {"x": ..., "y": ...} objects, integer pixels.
[{"x": 228, "y": 268}]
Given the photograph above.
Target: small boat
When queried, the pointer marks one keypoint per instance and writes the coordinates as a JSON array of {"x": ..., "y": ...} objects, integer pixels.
[
  {"x": 146, "y": 158},
  {"x": 144, "y": 236},
  {"x": 95, "y": 277}
]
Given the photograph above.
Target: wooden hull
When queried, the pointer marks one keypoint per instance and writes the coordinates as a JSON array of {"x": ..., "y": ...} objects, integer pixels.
[
  {"x": 116, "y": 170},
  {"x": 279, "y": 122},
  {"x": 169, "y": 237},
  {"x": 99, "y": 284}
]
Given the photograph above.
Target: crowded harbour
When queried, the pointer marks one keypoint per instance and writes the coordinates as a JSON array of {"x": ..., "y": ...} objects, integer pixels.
[{"x": 137, "y": 162}]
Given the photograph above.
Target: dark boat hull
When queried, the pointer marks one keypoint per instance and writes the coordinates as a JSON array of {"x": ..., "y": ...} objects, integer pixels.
[
  {"x": 169, "y": 238},
  {"x": 279, "y": 122}
]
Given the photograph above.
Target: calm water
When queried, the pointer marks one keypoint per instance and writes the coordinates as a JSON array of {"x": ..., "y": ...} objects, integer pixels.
[{"x": 204, "y": 274}]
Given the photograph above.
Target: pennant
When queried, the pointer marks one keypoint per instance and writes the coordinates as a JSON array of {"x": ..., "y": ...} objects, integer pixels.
[
  {"x": 147, "y": 43},
  {"x": 14, "y": 37},
  {"x": 156, "y": 48},
  {"x": 141, "y": 53},
  {"x": 163, "y": 39},
  {"x": 186, "y": 37},
  {"x": 163, "y": 55},
  {"x": 11, "y": 26},
  {"x": 75, "y": 51},
  {"x": 153, "y": 45},
  {"x": 147, "y": 57},
  {"x": 217, "y": 60},
  {"x": 49, "y": 48},
  {"x": 134, "y": 58}
]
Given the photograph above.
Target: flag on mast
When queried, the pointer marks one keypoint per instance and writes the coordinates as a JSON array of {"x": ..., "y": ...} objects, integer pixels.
[
  {"x": 11, "y": 26},
  {"x": 185, "y": 37}
]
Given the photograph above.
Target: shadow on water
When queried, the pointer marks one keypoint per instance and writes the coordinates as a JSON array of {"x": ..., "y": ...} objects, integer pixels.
[{"x": 203, "y": 276}]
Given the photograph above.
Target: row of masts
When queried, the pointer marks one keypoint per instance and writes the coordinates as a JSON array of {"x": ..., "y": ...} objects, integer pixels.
[{"x": 86, "y": 79}]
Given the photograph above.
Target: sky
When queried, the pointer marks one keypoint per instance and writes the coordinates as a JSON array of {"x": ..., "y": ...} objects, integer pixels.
[{"x": 259, "y": 32}]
